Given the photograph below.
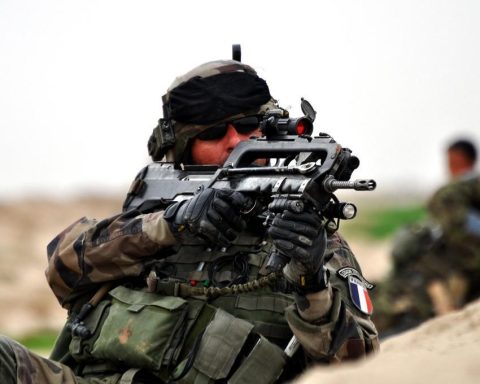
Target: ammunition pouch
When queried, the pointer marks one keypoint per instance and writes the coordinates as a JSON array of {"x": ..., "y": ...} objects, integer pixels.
[
  {"x": 133, "y": 329},
  {"x": 175, "y": 339},
  {"x": 229, "y": 350},
  {"x": 142, "y": 330}
]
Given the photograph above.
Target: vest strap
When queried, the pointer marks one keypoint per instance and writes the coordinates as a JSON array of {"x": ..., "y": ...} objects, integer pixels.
[{"x": 129, "y": 376}]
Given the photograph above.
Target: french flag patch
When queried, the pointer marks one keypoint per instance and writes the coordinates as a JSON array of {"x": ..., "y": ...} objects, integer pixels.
[{"x": 359, "y": 295}]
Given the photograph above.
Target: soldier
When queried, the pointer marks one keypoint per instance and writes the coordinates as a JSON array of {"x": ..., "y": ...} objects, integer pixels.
[
  {"x": 128, "y": 281},
  {"x": 436, "y": 263},
  {"x": 455, "y": 208}
]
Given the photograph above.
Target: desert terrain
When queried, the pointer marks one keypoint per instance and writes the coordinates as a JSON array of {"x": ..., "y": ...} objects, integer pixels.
[
  {"x": 26, "y": 227},
  {"x": 442, "y": 350}
]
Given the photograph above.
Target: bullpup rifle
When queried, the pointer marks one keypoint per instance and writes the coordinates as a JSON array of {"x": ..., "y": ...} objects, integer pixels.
[{"x": 303, "y": 170}]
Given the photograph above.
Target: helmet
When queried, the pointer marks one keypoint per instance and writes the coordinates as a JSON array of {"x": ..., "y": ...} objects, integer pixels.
[{"x": 209, "y": 94}]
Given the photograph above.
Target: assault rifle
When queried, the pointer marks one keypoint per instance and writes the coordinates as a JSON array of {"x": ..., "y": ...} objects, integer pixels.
[{"x": 306, "y": 170}]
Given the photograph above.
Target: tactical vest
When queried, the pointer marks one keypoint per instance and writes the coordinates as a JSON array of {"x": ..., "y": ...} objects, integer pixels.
[
  {"x": 237, "y": 334},
  {"x": 236, "y": 265}
]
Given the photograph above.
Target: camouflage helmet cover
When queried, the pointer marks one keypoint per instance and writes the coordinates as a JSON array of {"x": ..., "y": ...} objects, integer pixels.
[{"x": 185, "y": 131}]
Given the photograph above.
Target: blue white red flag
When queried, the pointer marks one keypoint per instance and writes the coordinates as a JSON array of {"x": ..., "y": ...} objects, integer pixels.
[{"x": 359, "y": 295}]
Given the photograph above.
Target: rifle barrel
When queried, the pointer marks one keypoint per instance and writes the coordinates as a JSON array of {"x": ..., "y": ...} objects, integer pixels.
[{"x": 331, "y": 185}]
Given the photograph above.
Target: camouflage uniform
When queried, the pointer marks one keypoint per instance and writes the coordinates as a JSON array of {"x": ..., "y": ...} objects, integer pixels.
[
  {"x": 456, "y": 209},
  {"x": 444, "y": 250},
  {"x": 19, "y": 365},
  {"x": 124, "y": 264}
]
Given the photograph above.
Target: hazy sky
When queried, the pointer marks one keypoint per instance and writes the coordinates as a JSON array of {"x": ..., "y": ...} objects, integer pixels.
[{"x": 81, "y": 81}]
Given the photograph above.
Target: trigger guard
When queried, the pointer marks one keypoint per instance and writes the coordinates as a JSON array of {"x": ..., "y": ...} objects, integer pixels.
[{"x": 249, "y": 210}]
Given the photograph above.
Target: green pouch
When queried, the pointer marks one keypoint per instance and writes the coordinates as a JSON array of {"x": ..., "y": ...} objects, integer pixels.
[
  {"x": 221, "y": 344},
  {"x": 81, "y": 348},
  {"x": 140, "y": 327},
  {"x": 219, "y": 347},
  {"x": 264, "y": 364}
]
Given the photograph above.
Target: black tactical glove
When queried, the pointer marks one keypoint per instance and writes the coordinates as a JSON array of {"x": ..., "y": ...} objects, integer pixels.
[
  {"x": 212, "y": 214},
  {"x": 302, "y": 238}
]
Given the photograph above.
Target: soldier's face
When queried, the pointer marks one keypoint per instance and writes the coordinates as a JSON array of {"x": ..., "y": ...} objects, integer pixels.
[
  {"x": 215, "y": 151},
  {"x": 458, "y": 163}
]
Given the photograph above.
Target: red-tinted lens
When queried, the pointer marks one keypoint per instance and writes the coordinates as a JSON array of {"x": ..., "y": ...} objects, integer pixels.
[{"x": 300, "y": 128}]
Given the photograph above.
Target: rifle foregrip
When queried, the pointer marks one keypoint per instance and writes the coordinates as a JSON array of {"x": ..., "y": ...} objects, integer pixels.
[{"x": 278, "y": 205}]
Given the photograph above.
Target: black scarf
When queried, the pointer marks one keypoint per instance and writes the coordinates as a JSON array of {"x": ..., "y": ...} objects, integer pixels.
[{"x": 206, "y": 100}]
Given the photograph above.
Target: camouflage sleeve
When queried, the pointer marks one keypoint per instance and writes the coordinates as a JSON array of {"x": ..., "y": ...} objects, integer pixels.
[
  {"x": 456, "y": 207},
  {"x": 90, "y": 252},
  {"x": 342, "y": 328}
]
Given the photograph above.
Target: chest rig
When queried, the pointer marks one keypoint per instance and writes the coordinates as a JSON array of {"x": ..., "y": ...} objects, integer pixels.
[
  {"x": 198, "y": 302},
  {"x": 234, "y": 279}
]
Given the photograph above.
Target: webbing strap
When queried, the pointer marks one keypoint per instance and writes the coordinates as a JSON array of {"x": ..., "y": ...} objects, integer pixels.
[
  {"x": 128, "y": 376},
  {"x": 99, "y": 368},
  {"x": 265, "y": 302}
]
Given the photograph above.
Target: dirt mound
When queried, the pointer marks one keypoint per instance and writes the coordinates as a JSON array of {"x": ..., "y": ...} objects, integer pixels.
[{"x": 443, "y": 350}]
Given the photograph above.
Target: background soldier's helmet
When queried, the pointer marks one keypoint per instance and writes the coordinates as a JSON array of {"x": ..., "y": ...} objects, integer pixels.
[{"x": 209, "y": 94}]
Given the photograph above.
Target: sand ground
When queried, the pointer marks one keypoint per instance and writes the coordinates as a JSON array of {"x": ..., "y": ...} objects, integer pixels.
[{"x": 26, "y": 227}]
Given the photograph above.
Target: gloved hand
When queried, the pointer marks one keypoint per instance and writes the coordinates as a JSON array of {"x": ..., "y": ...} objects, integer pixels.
[
  {"x": 211, "y": 214},
  {"x": 302, "y": 238}
]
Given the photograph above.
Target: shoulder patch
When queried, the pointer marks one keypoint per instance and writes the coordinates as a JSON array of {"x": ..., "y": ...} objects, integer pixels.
[
  {"x": 359, "y": 295},
  {"x": 346, "y": 272}
]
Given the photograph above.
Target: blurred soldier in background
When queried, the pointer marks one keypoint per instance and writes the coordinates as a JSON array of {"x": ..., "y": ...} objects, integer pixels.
[{"x": 436, "y": 263}]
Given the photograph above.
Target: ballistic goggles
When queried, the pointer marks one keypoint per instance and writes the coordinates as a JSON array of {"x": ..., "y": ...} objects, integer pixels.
[{"x": 243, "y": 126}]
